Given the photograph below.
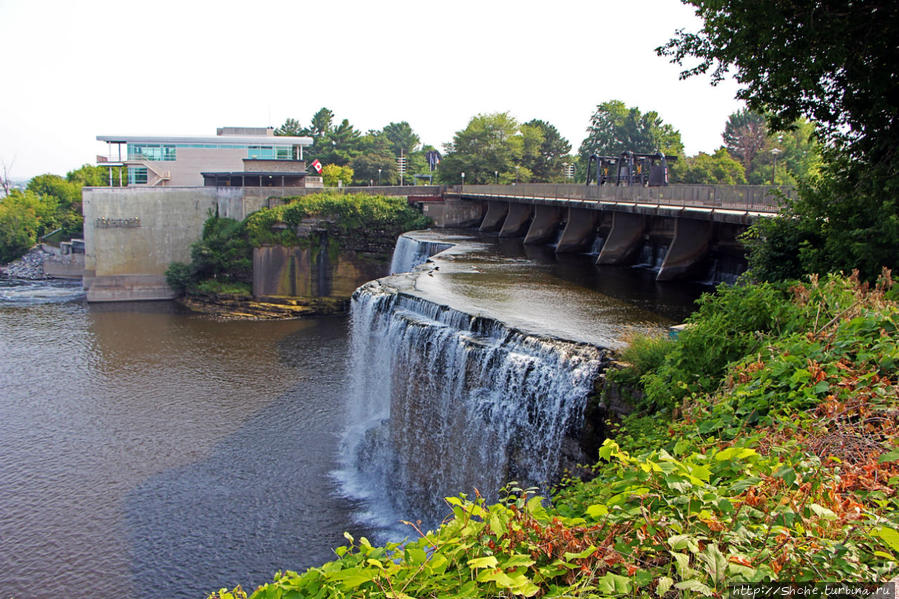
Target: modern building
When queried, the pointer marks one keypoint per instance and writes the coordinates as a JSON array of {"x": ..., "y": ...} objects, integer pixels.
[{"x": 236, "y": 156}]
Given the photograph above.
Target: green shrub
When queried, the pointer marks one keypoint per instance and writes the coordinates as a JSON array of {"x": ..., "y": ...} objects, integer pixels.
[
  {"x": 644, "y": 354},
  {"x": 728, "y": 324},
  {"x": 219, "y": 287},
  {"x": 223, "y": 252},
  {"x": 348, "y": 211},
  {"x": 179, "y": 276}
]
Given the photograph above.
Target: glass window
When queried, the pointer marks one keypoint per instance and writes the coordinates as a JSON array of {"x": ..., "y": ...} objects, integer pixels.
[
  {"x": 137, "y": 175},
  {"x": 261, "y": 152},
  {"x": 283, "y": 152},
  {"x": 151, "y": 152}
]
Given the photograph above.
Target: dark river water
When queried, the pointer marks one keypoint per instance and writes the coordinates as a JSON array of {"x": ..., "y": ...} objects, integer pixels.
[
  {"x": 149, "y": 452},
  {"x": 146, "y": 452}
]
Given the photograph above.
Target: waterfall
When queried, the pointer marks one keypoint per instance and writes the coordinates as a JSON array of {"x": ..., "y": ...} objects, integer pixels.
[
  {"x": 410, "y": 252},
  {"x": 442, "y": 402}
]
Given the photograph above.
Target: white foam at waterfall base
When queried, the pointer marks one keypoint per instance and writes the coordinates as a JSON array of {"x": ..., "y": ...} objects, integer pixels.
[{"x": 442, "y": 403}]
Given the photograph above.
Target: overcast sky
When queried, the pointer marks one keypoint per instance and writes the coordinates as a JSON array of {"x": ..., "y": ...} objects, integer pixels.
[{"x": 72, "y": 70}]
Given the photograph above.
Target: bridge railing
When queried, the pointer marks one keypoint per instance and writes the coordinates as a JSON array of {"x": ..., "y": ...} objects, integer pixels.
[{"x": 756, "y": 198}]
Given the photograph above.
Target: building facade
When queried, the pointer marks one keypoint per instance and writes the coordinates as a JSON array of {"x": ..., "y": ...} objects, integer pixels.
[{"x": 254, "y": 156}]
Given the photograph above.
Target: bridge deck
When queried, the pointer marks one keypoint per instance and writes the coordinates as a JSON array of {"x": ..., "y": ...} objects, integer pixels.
[{"x": 744, "y": 200}]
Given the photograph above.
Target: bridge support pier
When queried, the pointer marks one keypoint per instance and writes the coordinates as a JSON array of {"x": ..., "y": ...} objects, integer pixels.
[
  {"x": 496, "y": 214},
  {"x": 624, "y": 238},
  {"x": 517, "y": 220},
  {"x": 545, "y": 224},
  {"x": 690, "y": 244},
  {"x": 579, "y": 230}
]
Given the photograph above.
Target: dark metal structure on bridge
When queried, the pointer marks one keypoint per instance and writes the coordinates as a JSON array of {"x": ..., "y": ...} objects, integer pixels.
[{"x": 630, "y": 168}]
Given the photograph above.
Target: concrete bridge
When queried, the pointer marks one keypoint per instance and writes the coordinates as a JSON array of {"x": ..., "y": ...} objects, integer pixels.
[{"x": 673, "y": 229}]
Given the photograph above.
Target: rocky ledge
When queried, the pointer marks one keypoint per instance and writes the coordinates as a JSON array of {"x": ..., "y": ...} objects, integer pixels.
[
  {"x": 231, "y": 307},
  {"x": 29, "y": 267}
]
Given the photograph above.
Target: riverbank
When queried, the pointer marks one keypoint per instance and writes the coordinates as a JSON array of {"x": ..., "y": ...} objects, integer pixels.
[
  {"x": 767, "y": 449},
  {"x": 29, "y": 267},
  {"x": 240, "y": 307}
]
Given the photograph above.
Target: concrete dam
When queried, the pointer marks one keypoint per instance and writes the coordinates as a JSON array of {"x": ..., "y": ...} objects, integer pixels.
[{"x": 681, "y": 231}]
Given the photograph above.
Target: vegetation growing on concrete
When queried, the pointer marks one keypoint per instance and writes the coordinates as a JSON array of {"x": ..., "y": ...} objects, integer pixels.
[
  {"x": 222, "y": 260},
  {"x": 348, "y": 212},
  {"x": 783, "y": 465}
]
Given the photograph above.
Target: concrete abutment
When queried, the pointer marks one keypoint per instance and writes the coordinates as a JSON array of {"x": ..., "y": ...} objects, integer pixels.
[{"x": 545, "y": 226}]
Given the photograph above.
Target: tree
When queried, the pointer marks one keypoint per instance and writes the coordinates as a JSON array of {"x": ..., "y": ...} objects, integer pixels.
[
  {"x": 745, "y": 135},
  {"x": 835, "y": 63},
  {"x": 292, "y": 128},
  {"x": 718, "y": 168},
  {"x": 332, "y": 173},
  {"x": 831, "y": 61},
  {"x": 548, "y": 162},
  {"x": 615, "y": 128},
  {"x": 402, "y": 137},
  {"x": 66, "y": 193},
  {"x": 339, "y": 145},
  {"x": 25, "y": 216},
  {"x": 321, "y": 122},
  {"x": 366, "y": 167},
  {"x": 489, "y": 147},
  {"x": 89, "y": 175},
  {"x": 5, "y": 183}
]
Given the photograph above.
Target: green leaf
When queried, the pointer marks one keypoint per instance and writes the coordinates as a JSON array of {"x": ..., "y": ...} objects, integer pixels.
[
  {"x": 822, "y": 512},
  {"x": 694, "y": 585},
  {"x": 682, "y": 564},
  {"x": 664, "y": 585},
  {"x": 715, "y": 562},
  {"x": 597, "y": 511},
  {"x": 889, "y": 535},
  {"x": 501, "y": 579},
  {"x": 734, "y": 453},
  {"x": 416, "y": 555},
  {"x": 613, "y": 584},
  {"x": 643, "y": 578},
  {"x": 354, "y": 577},
  {"x": 517, "y": 560},
  {"x": 496, "y": 526},
  {"x": 679, "y": 542},
  {"x": 788, "y": 475},
  {"x": 890, "y": 456},
  {"x": 568, "y": 555},
  {"x": 483, "y": 562}
]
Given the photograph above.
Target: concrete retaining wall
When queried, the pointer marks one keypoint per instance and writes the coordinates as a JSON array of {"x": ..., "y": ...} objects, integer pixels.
[
  {"x": 131, "y": 235},
  {"x": 311, "y": 272}
]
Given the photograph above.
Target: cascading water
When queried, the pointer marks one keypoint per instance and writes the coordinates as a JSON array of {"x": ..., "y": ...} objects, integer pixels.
[
  {"x": 410, "y": 253},
  {"x": 442, "y": 402},
  {"x": 651, "y": 256}
]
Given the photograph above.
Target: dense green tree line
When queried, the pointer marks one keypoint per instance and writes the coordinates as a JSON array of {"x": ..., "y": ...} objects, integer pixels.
[
  {"x": 49, "y": 202},
  {"x": 497, "y": 148}
]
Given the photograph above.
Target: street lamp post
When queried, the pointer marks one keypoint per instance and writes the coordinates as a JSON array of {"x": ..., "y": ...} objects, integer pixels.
[
  {"x": 463, "y": 178},
  {"x": 774, "y": 152},
  {"x": 496, "y": 176},
  {"x": 379, "y": 177}
]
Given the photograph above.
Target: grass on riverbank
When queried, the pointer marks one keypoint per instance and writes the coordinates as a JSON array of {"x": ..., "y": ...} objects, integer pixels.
[{"x": 772, "y": 454}]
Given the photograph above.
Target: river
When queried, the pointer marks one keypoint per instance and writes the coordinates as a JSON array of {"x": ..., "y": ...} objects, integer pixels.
[{"x": 146, "y": 451}]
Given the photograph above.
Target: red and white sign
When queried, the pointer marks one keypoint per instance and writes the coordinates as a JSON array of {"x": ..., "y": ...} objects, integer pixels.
[{"x": 317, "y": 166}]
